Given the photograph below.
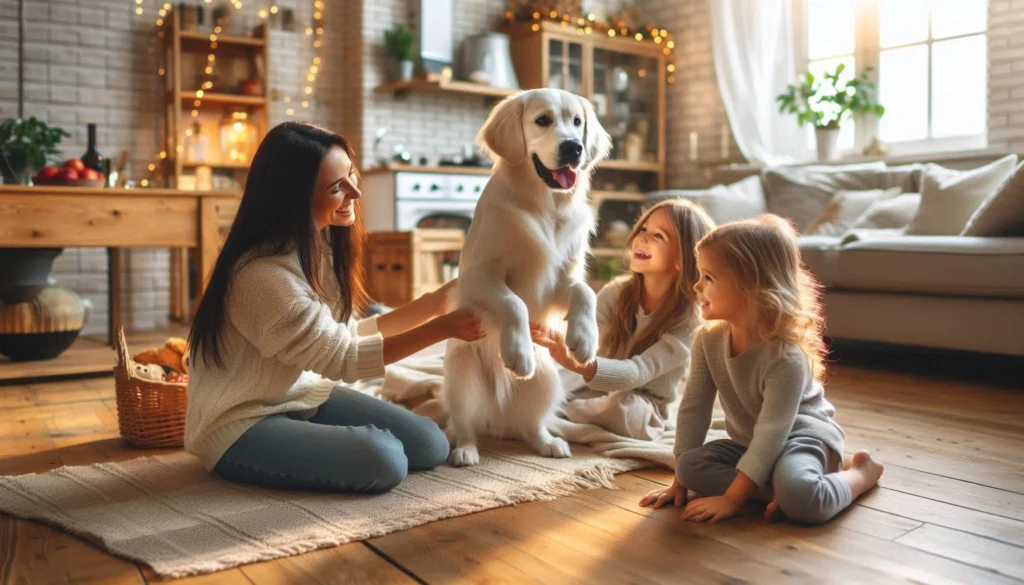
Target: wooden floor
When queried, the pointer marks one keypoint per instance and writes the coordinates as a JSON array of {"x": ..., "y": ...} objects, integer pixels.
[{"x": 949, "y": 509}]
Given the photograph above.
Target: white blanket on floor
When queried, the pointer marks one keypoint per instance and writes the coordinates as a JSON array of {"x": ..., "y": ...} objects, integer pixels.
[{"x": 416, "y": 383}]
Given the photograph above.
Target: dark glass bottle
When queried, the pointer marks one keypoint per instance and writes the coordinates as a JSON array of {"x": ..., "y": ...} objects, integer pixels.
[{"x": 92, "y": 159}]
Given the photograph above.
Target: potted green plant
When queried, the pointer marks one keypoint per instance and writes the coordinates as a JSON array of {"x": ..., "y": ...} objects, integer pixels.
[
  {"x": 398, "y": 43},
  {"x": 828, "y": 102},
  {"x": 26, "y": 146}
]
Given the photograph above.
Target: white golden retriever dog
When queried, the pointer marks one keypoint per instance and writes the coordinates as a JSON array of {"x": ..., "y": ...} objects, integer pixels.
[{"x": 523, "y": 262}]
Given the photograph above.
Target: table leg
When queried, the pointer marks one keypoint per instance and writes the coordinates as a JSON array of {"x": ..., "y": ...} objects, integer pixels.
[
  {"x": 180, "y": 301},
  {"x": 114, "y": 289},
  {"x": 209, "y": 243}
]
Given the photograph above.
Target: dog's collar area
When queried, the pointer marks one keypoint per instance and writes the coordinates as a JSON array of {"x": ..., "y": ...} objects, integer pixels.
[{"x": 562, "y": 179}]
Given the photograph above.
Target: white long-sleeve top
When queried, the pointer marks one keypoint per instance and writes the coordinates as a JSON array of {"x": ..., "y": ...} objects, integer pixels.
[{"x": 658, "y": 370}]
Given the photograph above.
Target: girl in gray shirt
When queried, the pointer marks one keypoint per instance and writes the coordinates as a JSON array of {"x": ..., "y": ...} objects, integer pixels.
[{"x": 762, "y": 355}]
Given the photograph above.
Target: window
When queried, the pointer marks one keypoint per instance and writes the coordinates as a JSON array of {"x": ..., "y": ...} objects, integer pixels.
[{"x": 930, "y": 60}]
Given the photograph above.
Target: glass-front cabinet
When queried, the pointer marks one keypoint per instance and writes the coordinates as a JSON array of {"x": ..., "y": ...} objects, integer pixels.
[{"x": 625, "y": 81}]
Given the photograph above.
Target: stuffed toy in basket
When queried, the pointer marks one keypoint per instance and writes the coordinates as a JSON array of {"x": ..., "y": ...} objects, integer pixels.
[{"x": 150, "y": 401}]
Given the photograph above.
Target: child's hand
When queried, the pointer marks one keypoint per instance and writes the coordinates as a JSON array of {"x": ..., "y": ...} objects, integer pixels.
[
  {"x": 674, "y": 493},
  {"x": 554, "y": 344},
  {"x": 463, "y": 324},
  {"x": 712, "y": 509}
]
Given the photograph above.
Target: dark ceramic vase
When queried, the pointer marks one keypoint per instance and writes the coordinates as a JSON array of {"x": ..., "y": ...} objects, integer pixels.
[{"x": 24, "y": 272}]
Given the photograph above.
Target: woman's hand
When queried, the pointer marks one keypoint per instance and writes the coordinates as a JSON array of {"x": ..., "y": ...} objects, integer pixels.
[
  {"x": 462, "y": 324},
  {"x": 712, "y": 509},
  {"x": 675, "y": 493},
  {"x": 555, "y": 345},
  {"x": 439, "y": 298}
]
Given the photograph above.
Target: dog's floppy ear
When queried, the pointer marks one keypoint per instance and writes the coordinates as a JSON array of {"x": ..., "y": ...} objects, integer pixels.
[
  {"x": 502, "y": 135},
  {"x": 595, "y": 139}
]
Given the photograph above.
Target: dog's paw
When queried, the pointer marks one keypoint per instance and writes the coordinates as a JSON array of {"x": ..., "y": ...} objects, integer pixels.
[
  {"x": 554, "y": 447},
  {"x": 464, "y": 456},
  {"x": 581, "y": 340},
  {"x": 518, "y": 355}
]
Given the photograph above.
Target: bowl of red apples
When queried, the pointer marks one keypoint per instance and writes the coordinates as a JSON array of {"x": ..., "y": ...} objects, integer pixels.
[{"x": 72, "y": 173}]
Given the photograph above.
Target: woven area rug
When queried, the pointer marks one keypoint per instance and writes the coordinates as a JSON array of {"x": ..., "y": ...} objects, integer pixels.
[{"x": 171, "y": 514}]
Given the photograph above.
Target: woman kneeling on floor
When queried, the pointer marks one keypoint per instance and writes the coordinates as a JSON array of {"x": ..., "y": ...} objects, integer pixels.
[{"x": 276, "y": 317}]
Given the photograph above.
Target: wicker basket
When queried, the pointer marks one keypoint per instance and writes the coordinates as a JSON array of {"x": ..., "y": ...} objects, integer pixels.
[{"x": 149, "y": 414}]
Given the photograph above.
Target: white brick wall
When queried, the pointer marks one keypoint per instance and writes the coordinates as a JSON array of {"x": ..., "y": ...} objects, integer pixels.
[
  {"x": 1006, "y": 75},
  {"x": 96, "y": 61},
  {"x": 426, "y": 124}
]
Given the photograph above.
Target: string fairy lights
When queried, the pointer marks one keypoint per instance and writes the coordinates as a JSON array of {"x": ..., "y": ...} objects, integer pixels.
[
  {"x": 315, "y": 33},
  {"x": 299, "y": 98}
]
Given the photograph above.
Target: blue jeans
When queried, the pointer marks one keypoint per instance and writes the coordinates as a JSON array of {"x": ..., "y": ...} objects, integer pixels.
[{"x": 354, "y": 443}]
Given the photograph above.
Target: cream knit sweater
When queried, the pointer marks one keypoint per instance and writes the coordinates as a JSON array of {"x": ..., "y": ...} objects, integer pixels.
[
  {"x": 280, "y": 342},
  {"x": 658, "y": 370}
]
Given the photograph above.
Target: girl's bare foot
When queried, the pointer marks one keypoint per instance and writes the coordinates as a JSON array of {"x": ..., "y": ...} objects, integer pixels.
[
  {"x": 863, "y": 473},
  {"x": 772, "y": 512}
]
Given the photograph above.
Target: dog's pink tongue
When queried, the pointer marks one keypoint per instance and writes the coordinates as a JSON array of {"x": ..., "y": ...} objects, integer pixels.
[{"x": 565, "y": 177}]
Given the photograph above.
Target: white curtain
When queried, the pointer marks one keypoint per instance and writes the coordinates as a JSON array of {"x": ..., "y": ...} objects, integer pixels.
[{"x": 754, "y": 46}]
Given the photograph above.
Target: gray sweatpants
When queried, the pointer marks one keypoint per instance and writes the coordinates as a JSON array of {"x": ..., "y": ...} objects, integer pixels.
[{"x": 804, "y": 478}]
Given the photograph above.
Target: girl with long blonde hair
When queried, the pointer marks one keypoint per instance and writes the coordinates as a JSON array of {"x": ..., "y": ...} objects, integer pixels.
[
  {"x": 762, "y": 354},
  {"x": 645, "y": 320}
]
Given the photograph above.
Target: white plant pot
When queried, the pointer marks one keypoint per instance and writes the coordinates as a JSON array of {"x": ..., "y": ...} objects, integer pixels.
[
  {"x": 827, "y": 140},
  {"x": 406, "y": 70}
]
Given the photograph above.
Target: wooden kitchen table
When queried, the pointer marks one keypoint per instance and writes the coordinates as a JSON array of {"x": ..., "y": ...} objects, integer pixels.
[{"x": 71, "y": 217}]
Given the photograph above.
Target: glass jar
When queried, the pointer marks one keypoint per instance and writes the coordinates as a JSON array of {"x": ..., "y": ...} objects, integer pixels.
[{"x": 238, "y": 138}]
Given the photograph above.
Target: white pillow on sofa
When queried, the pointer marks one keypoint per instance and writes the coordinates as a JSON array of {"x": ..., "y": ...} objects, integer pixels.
[
  {"x": 889, "y": 213},
  {"x": 1002, "y": 213},
  {"x": 740, "y": 200},
  {"x": 845, "y": 208},
  {"x": 949, "y": 198},
  {"x": 801, "y": 193}
]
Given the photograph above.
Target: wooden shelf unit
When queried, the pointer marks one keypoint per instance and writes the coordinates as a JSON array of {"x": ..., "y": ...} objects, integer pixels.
[
  {"x": 447, "y": 169},
  {"x": 179, "y": 96},
  {"x": 224, "y": 99},
  {"x": 222, "y": 40},
  {"x": 401, "y": 88}
]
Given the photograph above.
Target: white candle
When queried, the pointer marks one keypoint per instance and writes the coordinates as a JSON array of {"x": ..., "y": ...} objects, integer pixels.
[
  {"x": 693, "y": 146},
  {"x": 725, "y": 141}
]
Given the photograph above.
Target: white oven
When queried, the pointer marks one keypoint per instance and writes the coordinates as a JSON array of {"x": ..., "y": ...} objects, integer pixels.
[{"x": 404, "y": 200}]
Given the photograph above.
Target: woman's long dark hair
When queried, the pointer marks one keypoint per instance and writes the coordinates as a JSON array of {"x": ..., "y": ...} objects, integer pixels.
[{"x": 276, "y": 213}]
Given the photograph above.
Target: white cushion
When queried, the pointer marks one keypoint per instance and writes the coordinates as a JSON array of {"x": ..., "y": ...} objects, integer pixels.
[
  {"x": 889, "y": 213},
  {"x": 1002, "y": 213},
  {"x": 740, "y": 200},
  {"x": 801, "y": 193},
  {"x": 845, "y": 208},
  {"x": 949, "y": 198}
]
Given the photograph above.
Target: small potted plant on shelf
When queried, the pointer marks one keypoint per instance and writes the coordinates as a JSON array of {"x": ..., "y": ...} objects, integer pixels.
[
  {"x": 26, "y": 146},
  {"x": 398, "y": 44},
  {"x": 829, "y": 102}
]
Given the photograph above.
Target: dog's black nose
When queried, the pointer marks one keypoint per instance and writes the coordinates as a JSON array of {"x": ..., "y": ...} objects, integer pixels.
[{"x": 569, "y": 152}]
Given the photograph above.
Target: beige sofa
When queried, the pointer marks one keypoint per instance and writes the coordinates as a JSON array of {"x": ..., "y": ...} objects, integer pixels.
[{"x": 942, "y": 291}]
